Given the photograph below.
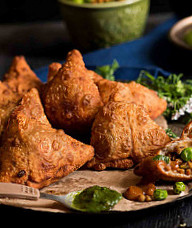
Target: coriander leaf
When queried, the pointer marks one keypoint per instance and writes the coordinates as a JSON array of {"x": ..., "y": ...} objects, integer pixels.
[
  {"x": 107, "y": 71},
  {"x": 161, "y": 158},
  {"x": 176, "y": 92},
  {"x": 170, "y": 133}
]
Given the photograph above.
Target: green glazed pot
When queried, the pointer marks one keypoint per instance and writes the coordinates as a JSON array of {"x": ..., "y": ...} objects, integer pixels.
[{"x": 93, "y": 26}]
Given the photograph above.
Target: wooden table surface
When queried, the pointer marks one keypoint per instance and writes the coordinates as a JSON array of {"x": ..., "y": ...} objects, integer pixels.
[{"x": 42, "y": 43}]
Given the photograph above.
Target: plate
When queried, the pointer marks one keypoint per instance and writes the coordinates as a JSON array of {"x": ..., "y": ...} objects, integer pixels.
[
  {"x": 177, "y": 31},
  {"x": 118, "y": 180}
]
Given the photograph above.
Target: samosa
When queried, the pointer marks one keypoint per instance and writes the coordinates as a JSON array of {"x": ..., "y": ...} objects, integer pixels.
[
  {"x": 71, "y": 99},
  {"x": 35, "y": 154},
  {"x": 132, "y": 92},
  {"x": 123, "y": 134},
  {"x": 16, "y": 82},
  {"x": 20, "y": 78}
]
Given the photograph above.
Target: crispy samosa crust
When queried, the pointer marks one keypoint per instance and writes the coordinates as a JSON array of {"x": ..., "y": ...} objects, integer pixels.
[
  {"x": 53, "y": 70},
  {"x": 16, "y": 82},
  {"x": 8, "y": 101},
  {"x": 132, "y": 92},
  {"x": 71, "y": 99},
  {"x": 55, "y": 66},
  {"x": 20, "y": 78},
  {"x": 35, "y": 154},
  {"x": 123, "y": 130},
  {"x": 147, "y": 98},
  {"x": 119, "y": 91},
  {"x": 176, "y": 169}
]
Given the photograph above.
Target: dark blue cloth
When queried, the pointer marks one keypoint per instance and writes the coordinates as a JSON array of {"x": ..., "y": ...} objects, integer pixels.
[{"x": 153, "y": 52}]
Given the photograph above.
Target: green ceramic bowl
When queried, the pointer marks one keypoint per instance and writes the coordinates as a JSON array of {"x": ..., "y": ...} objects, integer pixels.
[{"x": 93, "y": 26}]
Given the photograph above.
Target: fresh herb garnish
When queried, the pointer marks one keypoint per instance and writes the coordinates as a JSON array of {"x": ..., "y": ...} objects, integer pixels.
[
  {"x": 176, "y": 92},
  {"x": 161, "y": 158},
  {"x": 170, "y": 133},
  {"x": 107, "y": 71}
]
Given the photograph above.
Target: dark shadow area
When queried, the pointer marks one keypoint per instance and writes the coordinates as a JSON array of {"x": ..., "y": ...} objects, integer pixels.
[
  {"x": 27, "y": 10},
  {"x": 170, "y": 57},
  {"x": 27, "y": 41}
]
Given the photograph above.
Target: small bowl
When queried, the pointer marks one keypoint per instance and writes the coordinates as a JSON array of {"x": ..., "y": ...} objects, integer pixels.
[
  {"x": 178, "y": 30},
  {"x": 99, "y": 25}
]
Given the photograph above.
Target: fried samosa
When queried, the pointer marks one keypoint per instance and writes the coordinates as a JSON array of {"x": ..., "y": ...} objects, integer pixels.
[
  {"x": 168, "y": 164},
  {"x": 122, "y": 132},
  {"x": 53, "y": 70},
  {"x": 118, "y": 91},
  {"x": 147, "y": 98},
  {"x": 8, "y": 101},
  {"x": 16, "y": 82},
  {"x": 132, "y": 92},
  {"x": 35, "y": 154},
  {"x": 20, "y": 78},
  {"x": 71, "y": 99},
  {"x": 94, "y": 76},
  {"x": 55, "y": 66}
]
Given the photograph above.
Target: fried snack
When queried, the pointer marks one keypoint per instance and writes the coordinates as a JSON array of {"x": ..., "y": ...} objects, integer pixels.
[
  {"x": 20, "y": 78},
  {"x": 123, "y": 130},
  {"x": 106, "y": 88},
  {"x": 35, "y": 154},
  {"x": 8, "y": 101},
  {"x": 71, "y": 99},
  {"x": 176, "y": 169},
  {"x": 53, "y": 70},
  {"x": 148, "y": 98},
  {"x": 118, "y": 91},
  {"x": 94, "y": 76},
  {"x": 132, "y": 92},
  {"x": 114, "y": 91}
]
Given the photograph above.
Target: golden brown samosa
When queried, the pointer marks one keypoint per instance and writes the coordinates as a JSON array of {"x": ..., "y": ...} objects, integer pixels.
[
  {"x": 71, "y": 99},
  {"x": 132, "y": 92},
  {"x": 55, "y": 66},
  {"x": 8, "y": 101},
  {"x": 122, "y": 131},
  {"x": 35, "y": 154},
  {"x": 20, "y": 78},
  {"x": 16, "y": 82},
  {"x": 53, "y": 70},
  {"x": 148, "y": 98}
]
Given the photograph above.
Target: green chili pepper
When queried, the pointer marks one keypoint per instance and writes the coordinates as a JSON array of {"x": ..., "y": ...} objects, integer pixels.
[
  {"x": 161, "y": 158},
  {"x": 160, "y": 194},
  {"x": 178, "y": 187},
  {"x": 186, "y": 154}
]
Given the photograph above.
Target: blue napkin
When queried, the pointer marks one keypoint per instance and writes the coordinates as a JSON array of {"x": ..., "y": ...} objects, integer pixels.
[{"x": 150, "y": 53}]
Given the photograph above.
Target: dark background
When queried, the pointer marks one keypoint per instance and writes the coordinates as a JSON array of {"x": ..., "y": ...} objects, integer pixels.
[
  {"x": 29, "y": 10},
  {"x": 34, "y": 28}
]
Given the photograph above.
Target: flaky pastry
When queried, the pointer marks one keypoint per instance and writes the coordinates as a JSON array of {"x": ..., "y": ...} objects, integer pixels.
[
  {"x": 34, "y": 153},
  {"x": 122, "y": 131}
]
